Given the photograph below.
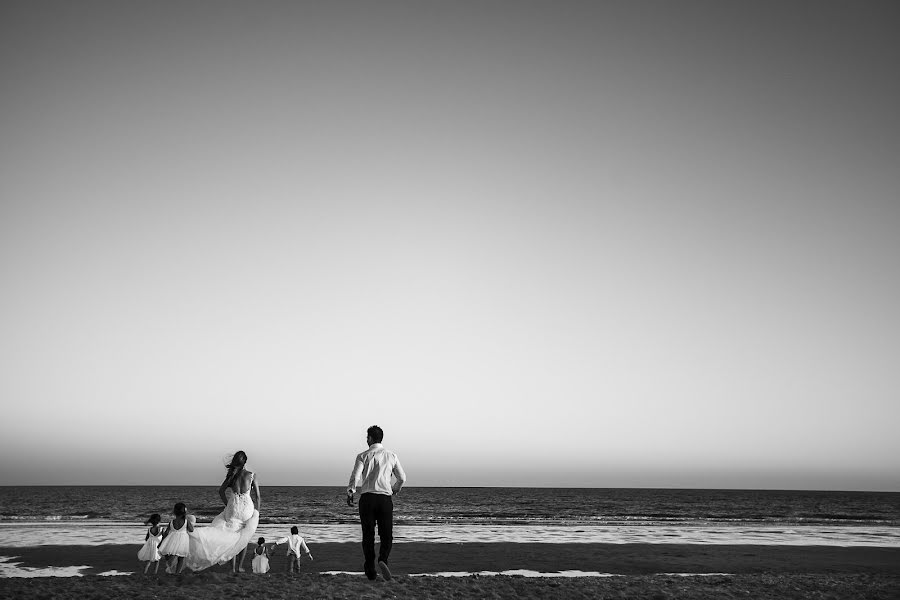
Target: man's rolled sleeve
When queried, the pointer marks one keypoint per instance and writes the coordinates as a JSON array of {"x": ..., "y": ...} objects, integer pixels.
[
  {"x": 355, "y": 475},
  {"x": 398, "y": 472}
]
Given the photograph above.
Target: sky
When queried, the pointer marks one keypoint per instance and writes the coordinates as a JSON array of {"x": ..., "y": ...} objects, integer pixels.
[{"x": 590, "y": 244}]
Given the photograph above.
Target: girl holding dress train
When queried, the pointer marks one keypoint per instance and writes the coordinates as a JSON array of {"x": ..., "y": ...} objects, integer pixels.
[
  {"x": 175, "y": 543},
  {"x": 150, "y": 550}
]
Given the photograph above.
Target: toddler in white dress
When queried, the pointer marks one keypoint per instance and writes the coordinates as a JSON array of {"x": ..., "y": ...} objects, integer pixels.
[
  {"x": 150, "y": 550},
  {"x": 261, "y": 553},
  {"x": 175, "y": 543}
]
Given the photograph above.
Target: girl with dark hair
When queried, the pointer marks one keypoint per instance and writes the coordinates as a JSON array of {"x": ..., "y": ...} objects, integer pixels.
[
  {"x": 227, "y": 536},
  {"x": 150, "y": 550},
  {"x": 175, "y": 542},
  {"x": 260, "y": 562}
]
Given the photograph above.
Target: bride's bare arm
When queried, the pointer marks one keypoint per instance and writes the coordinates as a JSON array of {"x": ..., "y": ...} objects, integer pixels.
[
  {"x": 256, "y": 491},
  {"x": 222, "y": 489}
]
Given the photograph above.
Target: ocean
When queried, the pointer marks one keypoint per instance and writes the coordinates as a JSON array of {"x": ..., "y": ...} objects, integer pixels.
[{"x": 37, "y": 515}]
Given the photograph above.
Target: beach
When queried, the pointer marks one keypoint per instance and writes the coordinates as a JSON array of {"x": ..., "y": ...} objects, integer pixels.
[
  {"x": 471, "y": 570},
  {"x": 214, "y": 586}
]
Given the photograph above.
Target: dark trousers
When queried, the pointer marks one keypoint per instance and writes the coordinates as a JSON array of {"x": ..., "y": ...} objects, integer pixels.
[{"x": 376, "y": 509}]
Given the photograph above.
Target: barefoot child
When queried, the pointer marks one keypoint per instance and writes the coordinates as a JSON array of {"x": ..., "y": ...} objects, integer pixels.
[
  {"x": 150, "y": 550},
  {"x": 296, "y": 544},
  {"x": 175, "y": 541}
]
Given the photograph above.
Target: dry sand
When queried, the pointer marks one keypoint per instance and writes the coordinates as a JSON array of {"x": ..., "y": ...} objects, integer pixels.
[
  {"x": 641, "y": 572},
  {"x": 214, "y": 586}
]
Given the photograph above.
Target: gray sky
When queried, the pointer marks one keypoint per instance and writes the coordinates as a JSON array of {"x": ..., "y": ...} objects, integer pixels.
[{"x": 554, "y": 243}]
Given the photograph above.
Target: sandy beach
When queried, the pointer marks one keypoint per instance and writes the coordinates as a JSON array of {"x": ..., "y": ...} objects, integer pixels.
[
  {"x": 619, "y": 559},
  {"x": 637, "y": 571},
  {"x": 213, "y": 586}
]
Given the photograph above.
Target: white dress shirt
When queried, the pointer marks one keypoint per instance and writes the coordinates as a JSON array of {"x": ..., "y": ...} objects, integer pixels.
[
  {"x": 296, "y": 544},
  {"x": 373, "y": 469}
]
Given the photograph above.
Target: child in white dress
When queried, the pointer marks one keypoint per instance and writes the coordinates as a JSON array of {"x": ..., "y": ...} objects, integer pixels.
[
  {"x": 150, "y": 550},
  {"x": 261, "y": 555},
  {"x": 175, "y": 543}
]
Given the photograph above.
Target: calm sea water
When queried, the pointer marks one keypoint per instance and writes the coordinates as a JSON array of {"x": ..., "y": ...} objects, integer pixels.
[{"x": 114, "y": 514}]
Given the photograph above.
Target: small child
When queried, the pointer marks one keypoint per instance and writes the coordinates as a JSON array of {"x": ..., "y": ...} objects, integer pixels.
[
  {"x": 295, "y": 545},
  {"x": 175, "y": 541},
  {"x": 150, "y": 550},
  {"x": 261, "y": 555}
]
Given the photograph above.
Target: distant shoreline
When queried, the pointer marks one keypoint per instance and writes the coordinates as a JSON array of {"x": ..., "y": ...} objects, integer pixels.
[{"x": 215, "y": 483}]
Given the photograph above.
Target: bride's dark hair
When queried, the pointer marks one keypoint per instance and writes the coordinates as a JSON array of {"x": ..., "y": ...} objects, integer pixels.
[{"x": 235, "y": 466}]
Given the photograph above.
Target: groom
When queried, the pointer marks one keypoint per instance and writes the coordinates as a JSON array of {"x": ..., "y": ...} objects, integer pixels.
[{"x": 372, "y": 477}]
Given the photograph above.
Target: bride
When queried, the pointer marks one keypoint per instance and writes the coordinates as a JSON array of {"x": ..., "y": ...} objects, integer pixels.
[{"x": 227, "y": 536}]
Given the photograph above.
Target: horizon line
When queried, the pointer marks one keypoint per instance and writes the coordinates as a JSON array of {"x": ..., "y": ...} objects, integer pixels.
[{"x": 572, "y": 487}]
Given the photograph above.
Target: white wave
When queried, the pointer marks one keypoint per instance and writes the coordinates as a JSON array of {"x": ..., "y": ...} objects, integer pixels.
[
  {"x": 23, "y": 534},
  {"x": 517, "y": 573},
  {"x": 8, "y": 568}
]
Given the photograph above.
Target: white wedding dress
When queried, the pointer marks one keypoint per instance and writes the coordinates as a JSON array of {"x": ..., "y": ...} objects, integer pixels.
[{"x": 227, "y": 535}]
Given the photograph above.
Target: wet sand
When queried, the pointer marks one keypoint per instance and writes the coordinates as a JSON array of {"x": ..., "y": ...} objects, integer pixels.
[
  {"x": 621, "y": 559},
  {"x": 641, "y": 571}
]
